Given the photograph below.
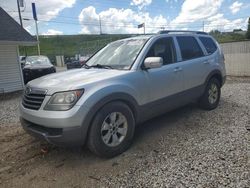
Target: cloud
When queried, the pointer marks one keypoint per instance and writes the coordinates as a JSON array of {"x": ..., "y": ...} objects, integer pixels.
[
  {"x": 52, "y": 32},
  {"x": 235, "y": 7},
  {"x": 218, "y": 22},
  {"x": 140, "y": 3},
  {"x": 195, "y": 10},
  {"x": 46, "y": 9},
  {"x": 118, "y": 21},
  {"x": 168, "y": 1}
]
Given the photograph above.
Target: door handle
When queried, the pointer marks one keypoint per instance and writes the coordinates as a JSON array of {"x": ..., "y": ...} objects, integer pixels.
[
  {"x": 206, "y": 62},
  {"x": 177, "y": 69}
]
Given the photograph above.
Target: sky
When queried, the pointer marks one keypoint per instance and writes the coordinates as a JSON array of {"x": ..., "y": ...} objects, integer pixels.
[{"x": 56, "y": 17}]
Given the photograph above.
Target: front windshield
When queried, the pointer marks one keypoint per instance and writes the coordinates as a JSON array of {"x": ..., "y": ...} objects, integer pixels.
[
  {"x": 118, "y": 55},
  {"x": 37, "y": 60}
]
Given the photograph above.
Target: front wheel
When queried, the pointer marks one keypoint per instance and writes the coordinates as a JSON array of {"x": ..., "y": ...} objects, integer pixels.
[
  {"x": 112, "y": 130},
  {"x": 211, "y": 97}
]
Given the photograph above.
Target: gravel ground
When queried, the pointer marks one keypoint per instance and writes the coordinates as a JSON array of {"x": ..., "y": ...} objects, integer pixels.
[
  {"x": 185, "y": 148},
  {"x": 9, "y": 109}
]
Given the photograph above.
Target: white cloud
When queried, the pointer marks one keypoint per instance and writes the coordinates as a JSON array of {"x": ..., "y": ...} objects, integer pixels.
[
  {"x": 195, "y": 10},
  {"x": 168, "y": 1},
  {"x": 218, "y": 22},
  {"x": 118, "y": 21},
  {"x": 235, "y": 7},
  {"x": 46, "y": 9},
  {"x": 52, "y": 32},
  {"x": 141, "y": 3}
]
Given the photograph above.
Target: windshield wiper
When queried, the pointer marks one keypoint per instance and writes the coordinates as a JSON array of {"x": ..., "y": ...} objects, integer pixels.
[
  {"x": 100, "y": 66},
  {"x": 86, "y": 66}
]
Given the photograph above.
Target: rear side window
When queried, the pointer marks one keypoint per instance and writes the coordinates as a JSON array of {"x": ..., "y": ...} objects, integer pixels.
[
  {"x": 189, "y": 47},
  {"x": 208, "y": 44}
]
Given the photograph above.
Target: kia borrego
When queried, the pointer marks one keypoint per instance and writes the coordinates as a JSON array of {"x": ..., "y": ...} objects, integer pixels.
[{"x": 125, "y": 83}]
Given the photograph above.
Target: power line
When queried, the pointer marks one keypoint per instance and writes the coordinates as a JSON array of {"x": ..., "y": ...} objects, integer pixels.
[
  {"x": 133, "y": 25},
  {"x": 96, "y": 22},
  {"x": 103, "y": 22}
]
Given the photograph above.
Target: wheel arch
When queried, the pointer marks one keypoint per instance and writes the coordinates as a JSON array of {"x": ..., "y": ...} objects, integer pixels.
[
  {"x": 215, "y": 74},
  {"x": 118, "y": 96}
]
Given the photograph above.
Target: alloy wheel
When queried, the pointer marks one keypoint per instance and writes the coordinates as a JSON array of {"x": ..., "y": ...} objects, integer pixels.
[{"x": 114, "y": 129}]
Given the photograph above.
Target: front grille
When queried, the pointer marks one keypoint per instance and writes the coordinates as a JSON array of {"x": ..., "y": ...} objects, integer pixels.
[{"x": 33, "y": 99}]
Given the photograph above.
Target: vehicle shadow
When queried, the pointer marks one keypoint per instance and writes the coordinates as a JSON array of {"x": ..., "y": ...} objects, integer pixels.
[
  {"x": 144, "y": 132},
  {"x": 169, "y": 125}
]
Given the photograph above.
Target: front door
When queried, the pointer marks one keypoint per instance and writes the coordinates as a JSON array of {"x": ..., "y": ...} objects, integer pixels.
[{"x": 167, "y": 81}]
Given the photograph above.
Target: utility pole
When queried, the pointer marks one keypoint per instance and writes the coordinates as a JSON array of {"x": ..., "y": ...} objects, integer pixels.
[
  {"x": 37, "y": 38},
  {"x": 19, "y": 13},
  {"x": 35, "y": 18},
  {"x": 20, "y": 4},
  {"x": 144, "y": 29},
  {"x": 203, "y": 26},
  {"x": 100, "y": 24}
]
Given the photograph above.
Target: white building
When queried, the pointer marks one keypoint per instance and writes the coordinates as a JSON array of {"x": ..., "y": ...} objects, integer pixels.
[{"x": 12, "y": 35}]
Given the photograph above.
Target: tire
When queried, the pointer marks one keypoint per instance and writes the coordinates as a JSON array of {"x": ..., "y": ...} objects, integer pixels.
[
  {"x": 211, "y": 97},
  {"x": 106, "y": 124}
]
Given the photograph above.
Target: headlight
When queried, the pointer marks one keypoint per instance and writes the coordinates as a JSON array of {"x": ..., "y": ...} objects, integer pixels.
[{"x": 62, "y": 101}]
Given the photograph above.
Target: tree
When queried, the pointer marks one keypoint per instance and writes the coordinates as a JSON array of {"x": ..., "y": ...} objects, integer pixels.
[
  {"x": 215, "y": 32},
  {"x": 248, "y": 29}
]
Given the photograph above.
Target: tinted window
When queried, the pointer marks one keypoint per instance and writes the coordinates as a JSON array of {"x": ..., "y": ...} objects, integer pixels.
[
  {"x": 208, "y": 44},
  {"x": 163, "y": 48},
  {"x": 189, "y": 47}
]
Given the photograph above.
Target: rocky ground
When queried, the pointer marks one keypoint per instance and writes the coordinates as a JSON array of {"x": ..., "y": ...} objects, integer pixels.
[{"x": 189, "y": 147}]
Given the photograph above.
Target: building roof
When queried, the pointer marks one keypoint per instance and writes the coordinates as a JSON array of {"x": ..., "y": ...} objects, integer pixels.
[{"x": 12, "y": 32}]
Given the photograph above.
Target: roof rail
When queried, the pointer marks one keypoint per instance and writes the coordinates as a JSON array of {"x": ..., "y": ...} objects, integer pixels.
[{"x": 182, "y": 31}]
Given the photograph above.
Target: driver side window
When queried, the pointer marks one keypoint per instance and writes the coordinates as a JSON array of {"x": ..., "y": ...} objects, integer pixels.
[{"x": 165, "y": 49}]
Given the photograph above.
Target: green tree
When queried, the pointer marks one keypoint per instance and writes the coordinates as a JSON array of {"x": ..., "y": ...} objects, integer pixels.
[{"x": 248, "y": 29}]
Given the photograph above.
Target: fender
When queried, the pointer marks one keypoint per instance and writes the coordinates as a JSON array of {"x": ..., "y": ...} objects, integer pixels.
[
  {"x": 118, "y": 96},
  {"x": 217, "y": 74}
]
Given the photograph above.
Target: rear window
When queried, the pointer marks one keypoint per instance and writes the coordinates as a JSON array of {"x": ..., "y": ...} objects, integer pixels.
[
  {"x": 208, "y": 44},
  {"x": 189, "y": 47}
]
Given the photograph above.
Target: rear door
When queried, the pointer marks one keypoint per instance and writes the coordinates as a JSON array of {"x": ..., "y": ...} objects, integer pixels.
[
  {"x": 195, "y": 64},
  {"x": 212, "y": 52}
]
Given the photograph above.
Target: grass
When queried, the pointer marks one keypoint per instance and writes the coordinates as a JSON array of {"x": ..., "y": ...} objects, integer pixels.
[{"x": 69, "y": 45}]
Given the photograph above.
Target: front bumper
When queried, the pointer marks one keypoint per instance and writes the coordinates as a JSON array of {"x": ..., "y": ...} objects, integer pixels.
[
  {"x": 62, "y": 128},
  {"x": 72, "y": 136}
]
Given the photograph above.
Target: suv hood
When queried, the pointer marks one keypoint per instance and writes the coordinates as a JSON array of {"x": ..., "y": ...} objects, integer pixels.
[{"x": 73, "y": 79}]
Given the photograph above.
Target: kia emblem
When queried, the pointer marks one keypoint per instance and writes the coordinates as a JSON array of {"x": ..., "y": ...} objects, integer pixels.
[{"x": 28, "y": 90}]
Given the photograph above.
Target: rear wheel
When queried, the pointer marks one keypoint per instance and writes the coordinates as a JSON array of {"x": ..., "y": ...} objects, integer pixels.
[
  {"x": 112, "y": 130},
  {"x": 211, "y": 97}
]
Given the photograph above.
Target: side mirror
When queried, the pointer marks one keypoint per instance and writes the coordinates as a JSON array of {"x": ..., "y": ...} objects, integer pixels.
[{"x": 153, "y": 62}]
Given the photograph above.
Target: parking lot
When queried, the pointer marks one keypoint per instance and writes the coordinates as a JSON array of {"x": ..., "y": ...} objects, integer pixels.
[{"x": 189, "y": 147}]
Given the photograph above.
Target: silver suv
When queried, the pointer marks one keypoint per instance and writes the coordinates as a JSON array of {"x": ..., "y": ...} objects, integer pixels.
[{"x": 125, "y": 83}]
